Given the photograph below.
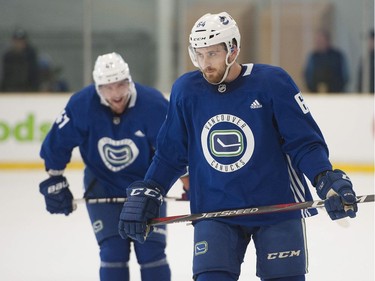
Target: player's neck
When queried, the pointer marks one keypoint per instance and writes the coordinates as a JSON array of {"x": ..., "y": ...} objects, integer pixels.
[{"x": 234, "y": 72}]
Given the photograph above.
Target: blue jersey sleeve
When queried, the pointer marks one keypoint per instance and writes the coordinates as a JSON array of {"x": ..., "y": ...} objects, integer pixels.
[
  {"x": 301, "y": 136},
  {"x": 66, "y": 133},
  {"x": 170, "y": 158}
]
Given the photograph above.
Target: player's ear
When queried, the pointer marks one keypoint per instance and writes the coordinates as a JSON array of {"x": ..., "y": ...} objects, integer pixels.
[
  {"x": 234, "y": 49},
  {"x": 233, "y": 52}
]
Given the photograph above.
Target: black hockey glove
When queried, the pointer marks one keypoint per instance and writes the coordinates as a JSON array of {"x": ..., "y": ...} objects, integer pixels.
[
  {"x": 59, "y": 199},
  {"x": 336, "y": 189},
  {"x": 143, "y": 204}
]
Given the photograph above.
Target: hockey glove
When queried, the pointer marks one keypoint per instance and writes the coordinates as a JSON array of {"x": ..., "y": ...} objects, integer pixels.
[
  {"x": 336, "y": 189},
  {"x": 59, "y": 199},
  {"x": 144, "y": 201}
]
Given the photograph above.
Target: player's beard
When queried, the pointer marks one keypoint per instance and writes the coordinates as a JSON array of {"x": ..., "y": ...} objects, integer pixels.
[{"x": 214, "y": 75}]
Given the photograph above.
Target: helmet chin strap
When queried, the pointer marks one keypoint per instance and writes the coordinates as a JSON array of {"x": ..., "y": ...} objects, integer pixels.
[
  {"x": 103, "y": 101},
  {"x": 226, "y": 70}
]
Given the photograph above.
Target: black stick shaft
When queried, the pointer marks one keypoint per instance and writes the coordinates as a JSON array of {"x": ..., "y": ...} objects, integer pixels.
[
  {"x": 115, "y": 200},
  {"x": 251, "y": 211}
]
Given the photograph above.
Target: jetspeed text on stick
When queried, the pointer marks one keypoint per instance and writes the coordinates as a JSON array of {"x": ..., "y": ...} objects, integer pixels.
[{"x": 230, "y": 213}]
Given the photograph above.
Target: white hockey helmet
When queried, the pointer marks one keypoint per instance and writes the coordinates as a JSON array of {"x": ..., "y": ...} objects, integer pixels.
[
  {"x": 212, "y": 29},
  {"x": 110, "y": 68}
]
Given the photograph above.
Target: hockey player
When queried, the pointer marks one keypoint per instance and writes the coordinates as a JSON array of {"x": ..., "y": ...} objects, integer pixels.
[
  {"x": 248, "y": 138},
  {"x": 114, "y": 122}
]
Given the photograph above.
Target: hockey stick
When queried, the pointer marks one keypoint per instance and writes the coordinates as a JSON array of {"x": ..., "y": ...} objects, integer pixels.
[
  {"x": 251, "y": 211},
  {"x": 116, "y": 200}
]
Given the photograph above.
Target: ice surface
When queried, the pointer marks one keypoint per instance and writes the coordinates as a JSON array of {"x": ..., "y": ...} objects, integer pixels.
[{"x": 37, "y": 246}]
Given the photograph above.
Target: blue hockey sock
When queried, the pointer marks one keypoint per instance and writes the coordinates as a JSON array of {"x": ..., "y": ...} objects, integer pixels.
[
  {"x": 153, "y": 261},
  {"x": 114, "y": 273},
  {"x": 216, "y": 275},
  {"x": 156, "y": 271},
  {"x": 289, "y": 278},
  {"x": 114, "y": 255}
]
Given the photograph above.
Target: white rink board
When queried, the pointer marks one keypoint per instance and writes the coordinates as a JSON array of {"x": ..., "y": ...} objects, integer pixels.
[
  {"x": 37, "y": 246},
  {"x": 347, "y": 122}
]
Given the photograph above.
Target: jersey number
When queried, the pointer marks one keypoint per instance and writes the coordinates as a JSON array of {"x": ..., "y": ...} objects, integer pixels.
[
  {"x": 62, "y": 119},
  {"x": 299, "y": 99}
]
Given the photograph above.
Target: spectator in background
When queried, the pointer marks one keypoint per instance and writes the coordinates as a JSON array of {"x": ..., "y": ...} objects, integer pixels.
[
  {"x": 50, "y": 76},
  {"x": 20, "y": 65},
  {"x": 326, "y": 69},
  {"x": 369, "y": 57}
]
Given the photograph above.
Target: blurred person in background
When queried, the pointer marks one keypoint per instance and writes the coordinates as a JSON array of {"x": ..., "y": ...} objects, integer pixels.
[
  {"x": 20, "y": 65},
  {"x": 114, "y": 122},
  {"x": 369, "y": 88},
  {"x": 326, "y": 69},
  {"x": 51, "y": 79}
]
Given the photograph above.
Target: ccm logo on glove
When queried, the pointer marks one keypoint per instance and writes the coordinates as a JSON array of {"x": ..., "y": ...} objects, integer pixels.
[{"x": 148, "y": 192}]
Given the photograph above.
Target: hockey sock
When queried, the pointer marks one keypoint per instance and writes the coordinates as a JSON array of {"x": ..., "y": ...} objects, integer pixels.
[
  {"x": 216, "y": 275},
  {"x": 155, "y": 272},
  {"x": 289, "y": 278},
  {"x": 114, "y": 255}
]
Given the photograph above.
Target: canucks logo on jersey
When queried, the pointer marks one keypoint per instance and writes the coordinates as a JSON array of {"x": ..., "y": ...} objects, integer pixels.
[
  {"x": 117, "y": 154},
  {"x": 227, "y": 142}
]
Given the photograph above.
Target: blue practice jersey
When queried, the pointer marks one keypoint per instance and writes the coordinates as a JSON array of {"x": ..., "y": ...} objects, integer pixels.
[
  {"x": 247, "y": 143},
  {"x": 117, "y": 149}
]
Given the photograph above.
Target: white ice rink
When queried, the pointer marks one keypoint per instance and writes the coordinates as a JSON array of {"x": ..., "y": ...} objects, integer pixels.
[{"x": 37, "y": 246}]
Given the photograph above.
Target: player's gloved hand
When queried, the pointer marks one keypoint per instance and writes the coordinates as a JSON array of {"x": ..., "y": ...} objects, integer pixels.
[
  {"x": 59, "y": 199},
  {"x": 144, "y": 199},
  {"x": 337, "y": 190}
]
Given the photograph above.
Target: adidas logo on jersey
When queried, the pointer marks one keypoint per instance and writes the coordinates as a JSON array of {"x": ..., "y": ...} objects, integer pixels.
[
  {"x": 139, "y": 133},
  {"x": 256, "y": 104}
]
